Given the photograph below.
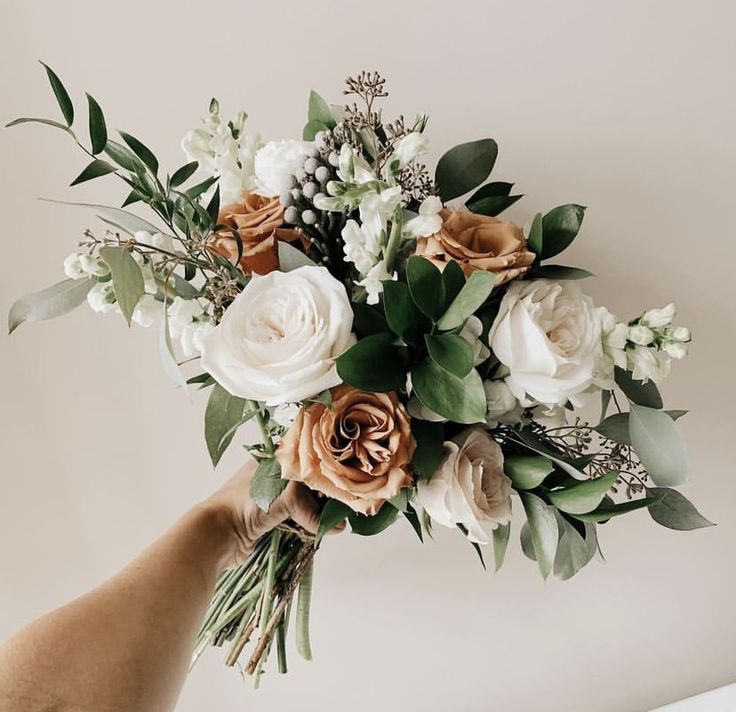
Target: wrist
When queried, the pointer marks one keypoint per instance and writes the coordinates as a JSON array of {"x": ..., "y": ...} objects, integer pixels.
[{"x": 217, "y": 535}]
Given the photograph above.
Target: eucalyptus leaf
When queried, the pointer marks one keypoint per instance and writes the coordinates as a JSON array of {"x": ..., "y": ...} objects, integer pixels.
[
  {"x": 57, "y": 300},
  {"x": 474, "y": 292},
  {"x": 357, "y": 366},
  {"x": 501, "y": 536},
  {"x": 333, "y": 514},
  {"x": 616, "y": 427},
  {"x": 533, "y": 442},
  {"x": 673, "y": 510},
  {"x": 450, "y": 352},
  {"x": 527, "y": 471},
  {"x": 425, "y": 285},
  {"x": 122, "y": 219},
  {"x": 311, "y": 129},
  {"x": 62, "y": 96},
  {"x": 166, "y": 354},
  {"x": 659, "y": 446},
  {"x": 97, "y": 126},
  {"x": 94, "y": 170},
  {"x": 583, "y": 497},
  {"x": 461, "y": 400},
  {"x": 319, "y": 110},
  {"x": 267, "y": 483},
  {"x": 560, "y": 227},
  {"x": 375, "y": 524},
  {"x": 290, "y": 258},
  {"x": 464, "y": 167},
  {"x": 608, "y": 511},
  {"x": 222, "y": 413},
  {"x": 127, "y": 278},
  {"x": 430, "y": 439},
  {"x": 573, "y": 551},
  {"x": 543, "y": 531},
  {"x": 646, "y": 394}
]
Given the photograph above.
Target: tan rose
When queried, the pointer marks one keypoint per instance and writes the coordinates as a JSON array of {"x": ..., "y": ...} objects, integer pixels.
[
  {"x": 258, "y": 220},
  {"x": 357, "y": 451},
  {"x": 478, "y": 242}
]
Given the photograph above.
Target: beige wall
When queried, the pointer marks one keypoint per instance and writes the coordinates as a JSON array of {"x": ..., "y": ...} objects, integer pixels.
[{"x": 627, "y": 107}]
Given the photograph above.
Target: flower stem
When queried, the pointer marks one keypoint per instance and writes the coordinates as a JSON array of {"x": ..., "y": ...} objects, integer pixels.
[
  {"x": 392, "y": 247},
  {"x": 268, "y": 445}
]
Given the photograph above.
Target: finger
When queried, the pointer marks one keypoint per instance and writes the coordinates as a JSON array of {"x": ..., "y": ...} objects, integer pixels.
[{"x": 302, "y": 507}]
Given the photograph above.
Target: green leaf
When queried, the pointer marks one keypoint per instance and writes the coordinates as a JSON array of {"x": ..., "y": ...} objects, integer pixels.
[
  {"x": 450, "y": 352},
  {"x": 94, "y": 170},
  {"x": 425, "y": 285},
  {"x": 490, "y": 190},
  {"x": 124, "y": 157},
  {"x": 608, "y": 511},
  {"x": 319, "y": 110},
  {"x": 57, "y": 300},
  {"x": 97, "y": 126},
  {"x": 357, "y": 366},
  {"x": 122, "y": 219},
  {"x": 267, "y": 483},
  {"x": 560, "y": 227},
  {"x": 166, "y": 354},
  {"x": 560, "y": 272},
  {"x": 223, "y": 413},
  {"x": 535, "y": 444},
  {"x": 527, "y": 471},
  {"x": 127, "y": 279},
  {"x": 461, "y": 400},
  {"x": 213, "y": 207},
  {"x": 616, "y": 427},
  {"x": 492, "y": 205},
  {"x": 464, "y": 167},
  {"x": 62, "y": 96},
  {"x": 142, "y": 151},
  {"x": 542, "y": 530},
  {"x": 402, "y": 315},
  {"x": 475, "y": 291},
  {"x": 333, "y": 514},
  {"x": 291, "y": 258},
  {"x": 535, "y": 239},
  {"x": 475, "y": 546},
  {"x": 430, "y": 440},
  {"x": 413, "y": 518},
  {"x": 196, "y": 190},
  {"x": 311, "y": 129},
  {"x": 501, "y": 536},
  {"x": 367, "y": 320},
  {"x": 401, "y": 500},
  {"x": 583, "y": 497},
  {"x": 370, "y": 525},
  {"x": 46, "y": 122},
  {"x": 646, "y": 394},
  {"x": 183, "y": 174},
  {"x": 659, "y": 445},
  {"x": 453, "y": 280},
  {"x": 675, "y": 511},
  {"x": 573, "y": 551}
]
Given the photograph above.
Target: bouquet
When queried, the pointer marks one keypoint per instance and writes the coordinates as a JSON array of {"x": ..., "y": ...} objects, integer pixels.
[{"x": 405, "y": 353}]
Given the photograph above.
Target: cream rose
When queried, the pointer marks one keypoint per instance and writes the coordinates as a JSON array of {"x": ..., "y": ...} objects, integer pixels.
[
  {"x": 548, "y": 335},
  {"x": 278, "y": 340},
  {"x": 469, "y": 487},
  {"x": 358, "y": 450}
]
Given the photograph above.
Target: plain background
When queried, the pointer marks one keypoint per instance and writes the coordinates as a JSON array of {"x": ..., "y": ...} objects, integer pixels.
[{"x": 627, "y": 107}]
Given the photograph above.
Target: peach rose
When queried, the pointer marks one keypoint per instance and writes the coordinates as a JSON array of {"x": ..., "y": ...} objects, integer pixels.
[
  {"x": 478, "y": 242},
  {"x": 258, "y": 221},
  {"x": 357, "y": 451}
]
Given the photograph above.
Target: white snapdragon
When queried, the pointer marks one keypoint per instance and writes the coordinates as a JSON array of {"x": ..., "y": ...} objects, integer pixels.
[
  {"x": 223, "y": 149},
  {"x": 373, "y": 282},
  {"x": 276, "y": 163},
  {"x": 658, "y": 318},
  {"x": 640, "y": 335},
  {"x": 147, "y": 311},
  {"x": 73, "y": 267},
  {"x": 613, "y": 351},
  {"x": 353, "y": 168},
  {"x": 410, "y": 147},
  {"x": 428, "y": 221},
  {"x": 101, "y": 298},
  {"x": 182, "y": 313},
  {"x": 194, "y": 335},
  {"x": 648, "y": 364}
]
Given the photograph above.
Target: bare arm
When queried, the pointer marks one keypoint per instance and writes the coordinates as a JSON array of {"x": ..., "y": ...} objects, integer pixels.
[{"x": 126, "y": 645}]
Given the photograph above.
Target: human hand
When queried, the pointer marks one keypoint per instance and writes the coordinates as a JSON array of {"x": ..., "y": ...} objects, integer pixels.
[{"x": 247, "y": 522}]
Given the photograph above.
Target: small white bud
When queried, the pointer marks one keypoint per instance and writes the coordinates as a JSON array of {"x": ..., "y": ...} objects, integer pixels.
[
  {"x": 657, "y": 318},
  {"x": 73, "y": 267},
  {"x": 676, "y": 349},
  {"x": 93, "y": 266},
  {"x": 679, "y": 333},
  {"x": 641, "y": 335}
]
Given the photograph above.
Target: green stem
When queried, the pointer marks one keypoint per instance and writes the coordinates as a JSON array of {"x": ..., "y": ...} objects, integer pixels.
[
  {"x": 392, "y": 247},
  {"x": 268, "y": 445},
  {"x": 302, "y": 614}
]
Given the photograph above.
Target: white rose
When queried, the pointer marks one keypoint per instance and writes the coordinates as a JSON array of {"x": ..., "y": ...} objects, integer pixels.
[
  {"x": 278, "y": 340},
  {"x": 147, "y": 311},
  {"x": 548, "y": 335},
  {"x": 501, "y": 404},
  {"x": 657, "y": 318},
  {"x": 409, "y": 147},
  {"x": 73, "y": 267},
  {"x": 277, "y": 162},
  {"x": 647, "y": 364},
  {"x": 469, "y": 486},
  {"x": 471, "y": 332}
]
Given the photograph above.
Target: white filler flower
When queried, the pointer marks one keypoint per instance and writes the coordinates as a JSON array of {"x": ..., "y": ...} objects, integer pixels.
[
  {"x": 278, "y": 340},
  {"x": 549, "y": 336}
]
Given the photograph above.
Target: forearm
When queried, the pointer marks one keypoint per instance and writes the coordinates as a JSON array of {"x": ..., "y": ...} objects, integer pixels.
[{"x": 126, "y": 645}]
